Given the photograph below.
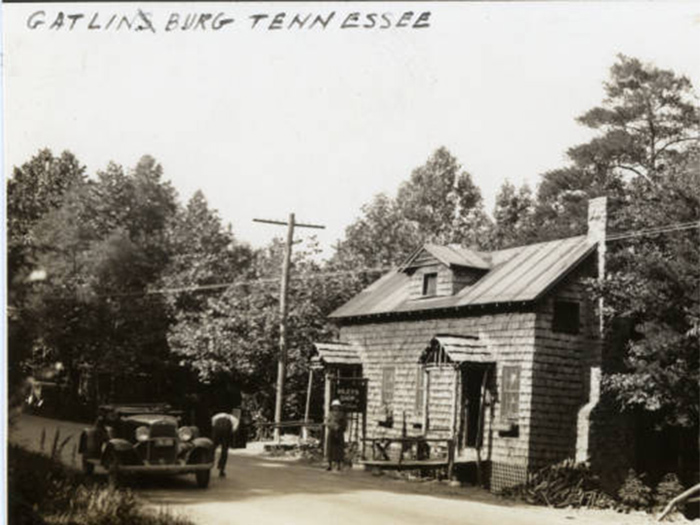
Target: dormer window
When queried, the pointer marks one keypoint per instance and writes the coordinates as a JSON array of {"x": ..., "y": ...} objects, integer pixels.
[
  {"x": 441, "y": 271},
  {"x": 430, "y": 284}
]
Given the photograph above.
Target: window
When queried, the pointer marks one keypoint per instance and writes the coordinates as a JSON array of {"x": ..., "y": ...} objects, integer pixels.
[
  {"x": 430, "y": 284},
  {"x": 388, "y": 386},
  {"x": 420, "y": 391},
  {"x": 566, "y": 317},
  {"x": 510, "y": 393}
]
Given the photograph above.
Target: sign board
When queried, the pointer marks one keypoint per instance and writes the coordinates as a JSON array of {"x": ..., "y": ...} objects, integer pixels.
[{"x": 352, "y": 393}]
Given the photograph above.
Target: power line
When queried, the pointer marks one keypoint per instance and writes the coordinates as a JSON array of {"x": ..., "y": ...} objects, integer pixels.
[
  {"x": 224, "y": 285},
  {"x": 658, "y": 230}
]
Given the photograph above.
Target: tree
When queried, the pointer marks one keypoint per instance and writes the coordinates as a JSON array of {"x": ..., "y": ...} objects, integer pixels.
[
  {"x": 512, "y": 216},
  {"x": 648, "y": 118},
  {"x": 204, "y": 253},
  {"x": 562, "y": 200},
  {"x": 35, "y": 189},
  {"x": 102, "y": 251},
  {"x": 442, "y": 202},
  {"x": 654, "y": 281},
  {"x": 438, "y": 203},
  {"x": 380, "y": 238}
]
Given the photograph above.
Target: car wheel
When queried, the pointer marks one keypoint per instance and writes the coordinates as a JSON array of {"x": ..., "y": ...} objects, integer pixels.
[
  {"x": 203, "y": 477},
  {"x": 88, "y": 467}
]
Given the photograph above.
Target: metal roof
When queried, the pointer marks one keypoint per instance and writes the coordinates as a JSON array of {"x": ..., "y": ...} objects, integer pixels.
[
  {"x": 455, "y": 349},
  {"x": 337, "y": 354},
  {"x": 516, "y": 275},
  {"x": 530, "y": 273}
]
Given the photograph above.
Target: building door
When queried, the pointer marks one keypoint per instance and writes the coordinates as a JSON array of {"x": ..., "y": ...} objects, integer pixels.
[{"x": 475, "y": 383}]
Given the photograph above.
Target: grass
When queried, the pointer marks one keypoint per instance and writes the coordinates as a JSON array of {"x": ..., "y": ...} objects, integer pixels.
[{"x": 42, "y": 491}]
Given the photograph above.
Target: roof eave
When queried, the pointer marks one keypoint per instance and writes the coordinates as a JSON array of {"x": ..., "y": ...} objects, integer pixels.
[{"x": 453, "y": 310}]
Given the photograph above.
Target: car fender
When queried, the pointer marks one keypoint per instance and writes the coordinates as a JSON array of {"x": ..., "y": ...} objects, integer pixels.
[
  {"x": 122, "y": 449},
  {"x": 203, "y": 446}
]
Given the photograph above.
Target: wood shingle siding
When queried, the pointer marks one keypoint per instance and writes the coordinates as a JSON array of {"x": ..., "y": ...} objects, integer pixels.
[
  {"x": 560, "y": 366},
  {"x": 510, "y": 336}
]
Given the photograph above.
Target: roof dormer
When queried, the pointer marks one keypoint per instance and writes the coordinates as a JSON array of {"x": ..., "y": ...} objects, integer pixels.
[{"x": 438, "y": 271}]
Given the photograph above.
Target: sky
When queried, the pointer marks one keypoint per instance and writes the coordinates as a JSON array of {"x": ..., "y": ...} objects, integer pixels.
[{"x": 317, "y": 121}]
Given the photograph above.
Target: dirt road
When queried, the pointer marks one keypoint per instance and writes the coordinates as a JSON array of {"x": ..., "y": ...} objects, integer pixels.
[{"x": 261, "y": 490}]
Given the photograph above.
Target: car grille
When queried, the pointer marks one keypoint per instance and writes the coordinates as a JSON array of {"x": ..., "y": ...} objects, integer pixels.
[
  {"x": 161, "y": 454},
  {"x": 163, "y": 429},
  {"x": 162, "y": 443}
]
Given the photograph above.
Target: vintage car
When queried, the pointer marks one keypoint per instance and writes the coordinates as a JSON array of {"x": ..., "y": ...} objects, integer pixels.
[{"x": 145, "y": 438}]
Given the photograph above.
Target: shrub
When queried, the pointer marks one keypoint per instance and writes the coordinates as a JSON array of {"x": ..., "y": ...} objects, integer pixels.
[
  {"x": 97, "y": 505},
  {"x": 634, "y": 494},
  {"x": 41, "y": 491},
  {"x": 668, "y": 488}
]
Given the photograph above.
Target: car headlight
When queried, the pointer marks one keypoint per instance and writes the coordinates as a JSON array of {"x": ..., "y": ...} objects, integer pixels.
[
  {"x": 185, "y": 433},
  {"x": 142, "y": 434}
]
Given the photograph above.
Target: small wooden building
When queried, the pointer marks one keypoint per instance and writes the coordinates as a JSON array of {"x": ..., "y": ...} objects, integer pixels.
[{"x": 498, "y": 351}]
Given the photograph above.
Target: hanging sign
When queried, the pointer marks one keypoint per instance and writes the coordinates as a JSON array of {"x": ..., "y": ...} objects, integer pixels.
[{"x": 352, "y": 393}]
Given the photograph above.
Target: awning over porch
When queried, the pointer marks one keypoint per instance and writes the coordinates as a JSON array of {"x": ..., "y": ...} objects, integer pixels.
[
  {"x": 335, "y": 354},
  {"x": 455, "y": 349}
]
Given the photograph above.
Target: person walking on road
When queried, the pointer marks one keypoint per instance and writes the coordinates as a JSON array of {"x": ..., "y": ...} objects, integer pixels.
[
  {"x": 336, "y": 425},
  {"x": 224, "y": 426}
]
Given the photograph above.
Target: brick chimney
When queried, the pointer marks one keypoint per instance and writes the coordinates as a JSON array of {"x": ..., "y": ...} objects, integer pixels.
[
  {"x": 592, "y": 361},
  {"x": 597, "y": 224}
]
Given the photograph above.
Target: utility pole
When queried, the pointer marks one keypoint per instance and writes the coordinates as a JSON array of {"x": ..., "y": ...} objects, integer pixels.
[{"x": 284, "y": 288}]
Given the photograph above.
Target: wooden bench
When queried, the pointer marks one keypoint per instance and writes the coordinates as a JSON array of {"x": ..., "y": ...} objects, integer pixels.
[{"x": 410, "y": 453}]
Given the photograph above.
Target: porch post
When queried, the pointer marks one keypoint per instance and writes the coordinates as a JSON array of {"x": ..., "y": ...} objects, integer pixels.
[
  {"x": 305, "y": 429},
  {"x": 480, "y": 428},
  {"x": 326, "y": 411},
  {"x": 426, "y": 393},
  {"x": 455, "y": 405},
  {"x": 364, "y": 431}
]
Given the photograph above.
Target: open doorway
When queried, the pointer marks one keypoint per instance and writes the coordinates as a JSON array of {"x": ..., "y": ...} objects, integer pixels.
[{"x": 476, "y": 383}]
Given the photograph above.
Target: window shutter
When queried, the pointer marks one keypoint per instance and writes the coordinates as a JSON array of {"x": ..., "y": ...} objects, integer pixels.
[
  {"x": 420, "y": 391},
  {"x": 388, "y": 386},
  {"x": 510, "y": 392}
]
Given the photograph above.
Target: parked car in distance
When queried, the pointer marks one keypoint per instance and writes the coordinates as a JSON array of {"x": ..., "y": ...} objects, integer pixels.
[{"x": 145, "y": 438}]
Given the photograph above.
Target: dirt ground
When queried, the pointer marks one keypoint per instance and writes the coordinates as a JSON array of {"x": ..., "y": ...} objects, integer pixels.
[{"x": 259, "y": 489}]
